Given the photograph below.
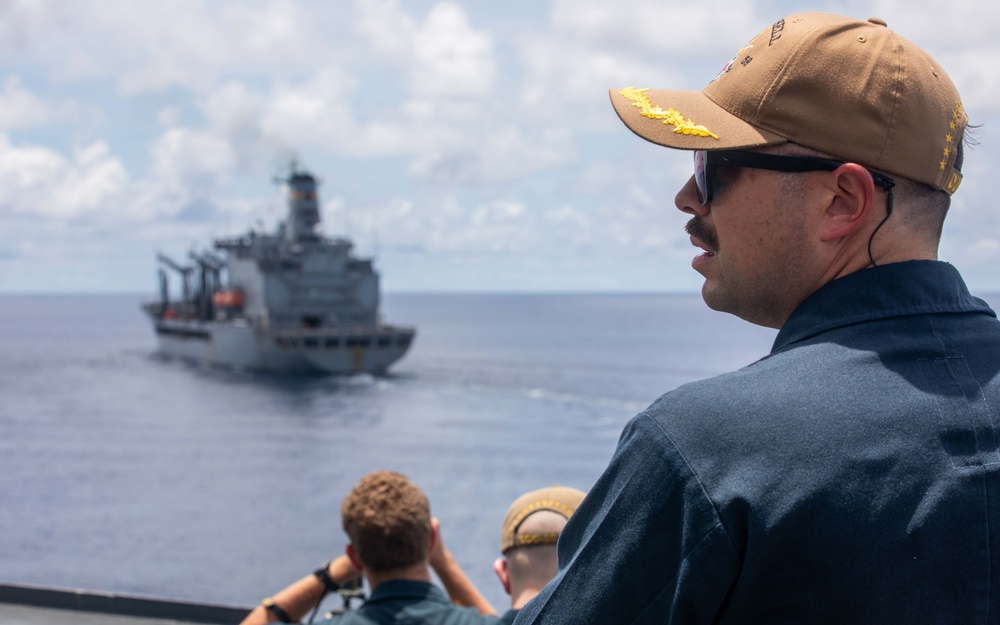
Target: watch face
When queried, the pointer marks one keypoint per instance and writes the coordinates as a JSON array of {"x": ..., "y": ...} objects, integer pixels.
[{"x": 323, "y": 575}]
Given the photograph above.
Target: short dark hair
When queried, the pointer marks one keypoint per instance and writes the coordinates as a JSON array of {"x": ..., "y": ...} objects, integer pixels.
[
  {"x": 921, "y": 206},
  {"x": 924, "y": 206},
  {"x": 388, "y": 520}
]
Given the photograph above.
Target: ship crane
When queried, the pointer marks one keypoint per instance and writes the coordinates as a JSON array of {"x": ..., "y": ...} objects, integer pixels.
[
  {"x": 184, "y": 271},
  {"x": 210, "y": 268}
]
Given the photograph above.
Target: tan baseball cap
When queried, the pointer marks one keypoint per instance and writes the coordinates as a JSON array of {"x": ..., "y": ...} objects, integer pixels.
[
  {"x": 561, "y": 499},
  {"x": 852, "y": 89}
]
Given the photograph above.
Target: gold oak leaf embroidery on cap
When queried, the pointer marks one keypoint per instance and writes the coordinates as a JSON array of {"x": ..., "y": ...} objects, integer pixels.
[{"x": 670, "y": 117}]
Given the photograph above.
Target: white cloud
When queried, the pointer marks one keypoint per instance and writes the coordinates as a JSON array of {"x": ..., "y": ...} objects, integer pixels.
[
  {"x": 94, "y": 179},
  {"x": 41, "y": 183},
  {"x": 591, "y": 46},
  {"x": 490, "y": 156},
  {"x": 237, "y": 115},
  {"x": 566, "y": 82},
  {"x": 192, "y": 162},
  {"x": 451, "y": 58},
  {"x": 443, "y": 55},
  {"x": 661, "y": 30},
  {"x": 182, "y": 192},
  {"x": 21, "y": 108},
  {"x": 388, "y": 30},
  {"x": 169, "y": 116},
  {"x": 150, "y": 47},
  {"x": 449, "y": 227},
  {"x": 317, "y": 112}
]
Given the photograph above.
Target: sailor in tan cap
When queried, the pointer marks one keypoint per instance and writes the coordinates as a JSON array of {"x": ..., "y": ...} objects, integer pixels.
[
  {"x": 528, "y": 542},
  {"x": 852, "y": 475}
]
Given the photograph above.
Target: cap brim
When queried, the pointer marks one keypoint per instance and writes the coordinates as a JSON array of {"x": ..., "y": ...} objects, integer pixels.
[{"x": 686, "y": 120}]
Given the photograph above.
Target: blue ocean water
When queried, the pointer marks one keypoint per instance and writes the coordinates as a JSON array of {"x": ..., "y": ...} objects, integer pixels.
[{"x": 124, "y": 471}]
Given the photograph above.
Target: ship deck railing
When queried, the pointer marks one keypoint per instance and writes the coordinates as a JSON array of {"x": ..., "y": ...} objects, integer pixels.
[{"x": 23, "y": 604}]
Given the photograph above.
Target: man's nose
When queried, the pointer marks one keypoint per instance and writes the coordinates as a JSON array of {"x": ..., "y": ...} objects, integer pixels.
[{"x": 686, "y": 199}]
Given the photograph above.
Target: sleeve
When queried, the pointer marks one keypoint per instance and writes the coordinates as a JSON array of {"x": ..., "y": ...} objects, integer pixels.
[{"x": 646, "y": 545}]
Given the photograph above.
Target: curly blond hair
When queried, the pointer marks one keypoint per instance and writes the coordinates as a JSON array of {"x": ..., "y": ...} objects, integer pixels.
[{"x": 388, "y": 519}]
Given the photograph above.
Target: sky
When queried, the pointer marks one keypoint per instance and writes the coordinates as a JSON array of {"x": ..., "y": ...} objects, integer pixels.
[{"x": 464, "y": 146}]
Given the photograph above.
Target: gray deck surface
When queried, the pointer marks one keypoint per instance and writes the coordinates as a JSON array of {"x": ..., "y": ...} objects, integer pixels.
[
  {"x": 40, "y": 605},
  {"x": 11, "y": 614}
]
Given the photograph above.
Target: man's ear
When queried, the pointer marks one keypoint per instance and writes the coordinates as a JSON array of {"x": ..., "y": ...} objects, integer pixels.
[
  {"x": 435, "y": 531},
  {"x": 850, "y": 203},
  {"x": 352, "y": 555},
  {"x": 500, "y": 568}
]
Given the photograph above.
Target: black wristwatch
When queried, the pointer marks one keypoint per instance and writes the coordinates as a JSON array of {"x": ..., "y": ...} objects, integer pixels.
[
  {"x": 323, "y": 575},
  {"x": 276, "y": 609}
]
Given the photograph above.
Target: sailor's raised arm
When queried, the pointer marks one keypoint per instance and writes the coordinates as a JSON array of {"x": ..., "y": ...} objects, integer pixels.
[
  {"x": 292, "y": 603},
  {"x": 460, "y": 588}
]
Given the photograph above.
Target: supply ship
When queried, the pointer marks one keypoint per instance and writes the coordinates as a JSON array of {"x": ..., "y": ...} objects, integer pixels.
[{"x": 288, "y": 301}]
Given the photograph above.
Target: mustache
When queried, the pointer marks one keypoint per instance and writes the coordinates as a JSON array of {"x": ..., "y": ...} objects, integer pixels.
[{"x": 699, "y": 229}]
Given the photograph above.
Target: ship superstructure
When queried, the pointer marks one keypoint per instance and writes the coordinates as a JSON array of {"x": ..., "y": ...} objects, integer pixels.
[{"x": 291, "y": 300}]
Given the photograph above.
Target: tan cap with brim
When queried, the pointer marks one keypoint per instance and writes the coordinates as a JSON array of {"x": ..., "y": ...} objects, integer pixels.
[
  {"x": 563, "y": 500},
  {"x": 852, "y": 89}
]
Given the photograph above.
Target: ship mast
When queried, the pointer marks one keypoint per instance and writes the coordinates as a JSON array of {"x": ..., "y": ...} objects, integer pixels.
[{"x": 303, "y": 205}]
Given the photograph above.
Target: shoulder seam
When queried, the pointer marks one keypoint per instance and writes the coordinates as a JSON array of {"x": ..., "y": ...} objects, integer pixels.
[{"x": 695, "y": 476}]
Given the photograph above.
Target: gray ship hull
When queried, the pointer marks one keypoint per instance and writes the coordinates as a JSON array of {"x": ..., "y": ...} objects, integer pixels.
[
  {"x": 288, "y": 301},
  {"x": 240, "y": 345}
]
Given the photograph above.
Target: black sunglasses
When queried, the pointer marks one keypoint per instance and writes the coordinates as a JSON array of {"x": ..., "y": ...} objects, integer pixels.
[{"x": 706, "y": 162}]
